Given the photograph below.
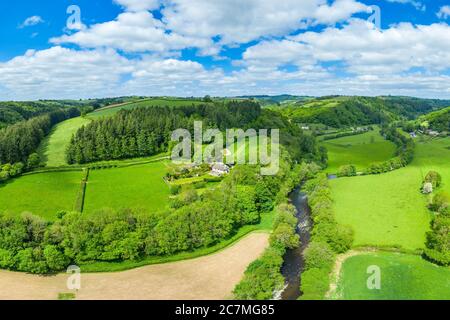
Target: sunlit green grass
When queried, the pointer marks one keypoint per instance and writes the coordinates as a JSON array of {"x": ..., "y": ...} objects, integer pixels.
[
  {"x": 53, "y": 148},
  {"x": 43, "y": 194},
  {"x": 139, "y": 187},
  {"x": 389, "y": 209},
  {"x": 403, "y": 277},
  {"x": 359, "y": 150},
  {"x": 108, "y": 112}
]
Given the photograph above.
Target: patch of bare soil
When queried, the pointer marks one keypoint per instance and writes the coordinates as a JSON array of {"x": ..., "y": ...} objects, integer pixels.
[
  {"x": 210, "y": 277},
  {"x": 336, "y": 273}
]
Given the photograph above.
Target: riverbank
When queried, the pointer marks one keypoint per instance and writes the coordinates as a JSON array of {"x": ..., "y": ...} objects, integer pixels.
[{"x": 294, "y": 261}]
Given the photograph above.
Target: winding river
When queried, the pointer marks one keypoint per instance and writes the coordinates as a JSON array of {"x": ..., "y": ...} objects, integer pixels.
[{"x": 293, "y": 259}]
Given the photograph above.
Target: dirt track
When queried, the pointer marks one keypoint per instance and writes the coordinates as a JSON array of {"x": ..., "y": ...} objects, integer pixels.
[{"x": 210, "y": 277}]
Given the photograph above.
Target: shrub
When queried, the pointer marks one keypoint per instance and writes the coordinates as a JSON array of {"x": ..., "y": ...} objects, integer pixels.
[
  {"x": 319, "y": 255},
  {"x": 261, "y": 278},
  {"x": 434, "y": 178},
  {"x": 284, "y": 236},
  {"x": 175, "y": 189},
  {"x": 315, "y": 284},
  {"x": 440, "y": 200},
  {"x": 347, "y": 171}
]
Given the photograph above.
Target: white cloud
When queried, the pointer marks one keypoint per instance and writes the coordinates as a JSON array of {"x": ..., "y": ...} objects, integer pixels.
[
  {"x": 417, "y": 4},
  {"x": 139, "y": 5},
  {"x": 340, "y": 10},
  {"x": 59, "y": 72},
  {"x": 444, "y": 12},
  {"x": 31, "y": 21},
  {"x": 361, "y": 48},
  {"x": 237, "y": 21},
  {"x": 132, "y": 32},
  {"x": 195, "y": 23}
]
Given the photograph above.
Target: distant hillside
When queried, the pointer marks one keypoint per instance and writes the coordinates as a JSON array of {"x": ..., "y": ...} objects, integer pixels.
[
  {"x": 339, "y": 111},
  {"x": 438, "y": 120},
  {"x": 15, "y": 111},
  {"x": 276, "y": 100}
]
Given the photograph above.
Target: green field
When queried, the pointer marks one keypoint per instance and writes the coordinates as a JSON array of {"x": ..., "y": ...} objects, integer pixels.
[
  {"x": 43, "y": 194},
  {"x": 139, "y": 186},
  {"x": 110, "y": 111},
  {"x": 360, "y": 150},
  {"x": 388, "y": 209},
  {"x": 403, "y": 277},
  {"x": 53, "y": 147}
]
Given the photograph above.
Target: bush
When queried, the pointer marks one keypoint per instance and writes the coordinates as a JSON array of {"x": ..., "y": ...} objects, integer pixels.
[
  {"x": 284, "y": 237},
  {"x": 175, "y": 189},
  {"x": 434, "y": 178},
  {"x": 347, "y": 171},
  {"x": 440, "y": 202},
  {"x": 319, "y": 255},
  {"x": 315, "y": 284},
  {"x": 261, "y": 278}
]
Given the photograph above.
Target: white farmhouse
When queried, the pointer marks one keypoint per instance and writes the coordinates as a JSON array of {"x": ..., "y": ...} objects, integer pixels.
[{"x": 219, "y": 169}]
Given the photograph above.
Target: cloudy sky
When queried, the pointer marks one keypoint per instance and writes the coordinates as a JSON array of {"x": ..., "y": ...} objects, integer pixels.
[{"x": 223, "y": 48}]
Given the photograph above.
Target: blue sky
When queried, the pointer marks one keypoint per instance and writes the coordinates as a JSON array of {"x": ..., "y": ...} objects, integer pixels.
[{"x": 226, "y": 48}]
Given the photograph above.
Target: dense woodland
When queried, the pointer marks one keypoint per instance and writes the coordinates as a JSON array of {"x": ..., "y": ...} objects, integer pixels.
[
  {"x": 438, "y": 120},
  {"x": 147, "y": 131},
  {"x": 20, "y": 140},
  {"x": 339, "y": 112}
]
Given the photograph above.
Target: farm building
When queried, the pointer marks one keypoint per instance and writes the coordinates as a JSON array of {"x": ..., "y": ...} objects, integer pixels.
[{"x": 219, "y": 169}]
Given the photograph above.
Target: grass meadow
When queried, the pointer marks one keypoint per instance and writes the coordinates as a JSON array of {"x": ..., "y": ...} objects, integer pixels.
[
  {"x": 359, "y": 150},
  {"x": 140, "y": 186},
  {"x": 43, "y": 194},
  {"x": 110, "y": 111},
  {"x": 53, "y": 148},
  {"x": 403, "y": 277},
  {"x": 389, "y": 209}
]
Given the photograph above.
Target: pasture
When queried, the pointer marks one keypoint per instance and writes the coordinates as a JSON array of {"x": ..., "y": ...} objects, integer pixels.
[
  {"x": 403, "y": 277},
  {"x": 140, "y": 186},
  {"x": 160, "y": 102},
  {"x": 389, "y": 209},
  {"x": 43, "y": 194},
  {"x": 53, "y": 148},
  {"x": 359, "y": 150}
]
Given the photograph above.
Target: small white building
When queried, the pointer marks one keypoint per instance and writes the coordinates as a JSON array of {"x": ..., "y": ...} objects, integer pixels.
[
  {"x": 219, "y": 169},
  {"x": 433, "y": 133}
]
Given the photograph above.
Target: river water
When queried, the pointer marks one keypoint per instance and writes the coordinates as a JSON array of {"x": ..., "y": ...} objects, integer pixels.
[{"x": 293, "y": 259}]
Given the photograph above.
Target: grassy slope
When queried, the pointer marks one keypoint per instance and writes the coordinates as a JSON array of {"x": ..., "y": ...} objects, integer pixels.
[
  {"x": 360, "y": 150},
  {"x": 107, "y": 112},
  {"x": 402, "y": 277},
  {"x": 42, "y": 194},
  {"x": 388, "y": 209},
  {"x": 130, "y": 187},
  {"x": 53, "y": 148}
]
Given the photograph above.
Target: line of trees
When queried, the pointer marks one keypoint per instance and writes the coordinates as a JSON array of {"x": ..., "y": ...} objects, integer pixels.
[
  {"x": 20, "y": 140},
  {"x": 147, "y": 131},
  {"x": 404, "y": 153},
  {"x": 31, "y": 244},
  {"x": 328, "y": 238},
  {"x": 263, "y": 276},
  {"x": 438, "y": 239}
]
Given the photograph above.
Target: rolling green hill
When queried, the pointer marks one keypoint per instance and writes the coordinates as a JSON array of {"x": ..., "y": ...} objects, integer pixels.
[
  {"x": 343, "y": 111},
  {"x": 359, "y": 150},
  {"x": 438, "y": 120},
  {"x": 389, "y": 209}
]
